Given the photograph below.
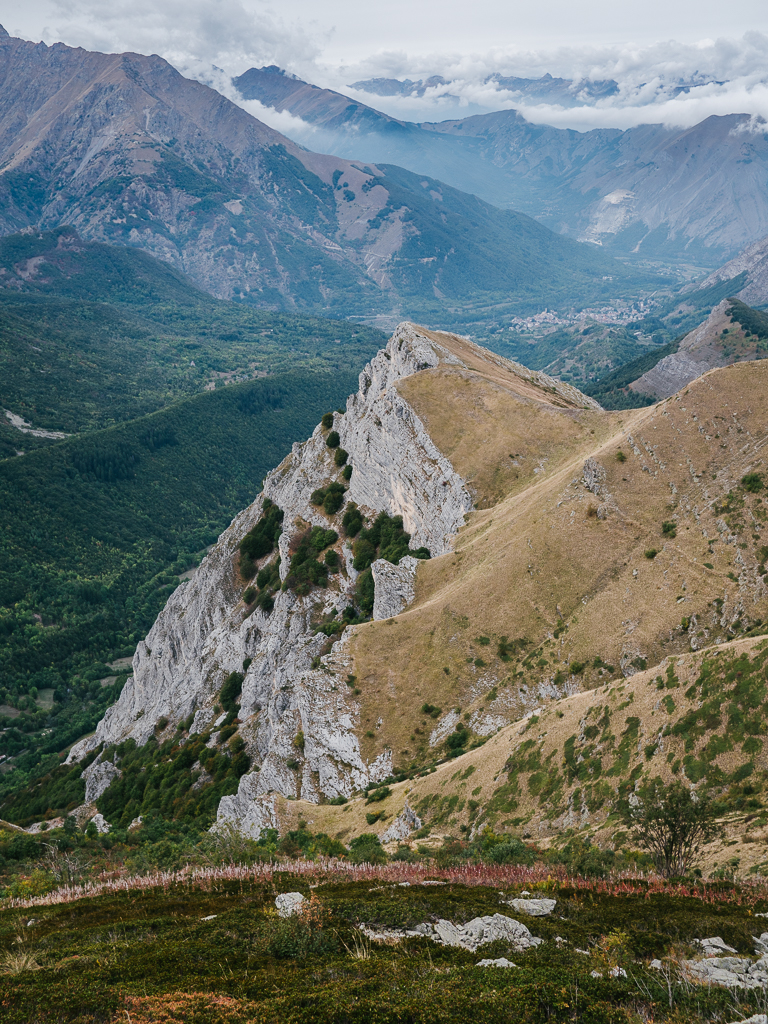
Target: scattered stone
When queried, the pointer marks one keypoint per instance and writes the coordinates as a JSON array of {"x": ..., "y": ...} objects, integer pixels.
[
  {"x": 536, "y": 908},
  {"x": 477, "y": 932},
  {"x": 757, "y": 1018},
  {"x": 656, "y": 965},
  {"x": 102, "y": 826},
  {"x": 595, "y": 974},
  {"x": 209, "y": 918},
  {"x": 289, "y": 903},
  {"x": 714, "y": 945},
  {"x": 501, "y": 962},
  {"x": 617, "y": 972},
  {"x": 729, "y": 971},
  {"x": 761, "y": 941}
]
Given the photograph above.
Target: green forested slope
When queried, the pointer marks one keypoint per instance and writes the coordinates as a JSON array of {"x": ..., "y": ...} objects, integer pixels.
[
  {"x": 91, "y": 335},
  {"x": 93, "y": 531}
]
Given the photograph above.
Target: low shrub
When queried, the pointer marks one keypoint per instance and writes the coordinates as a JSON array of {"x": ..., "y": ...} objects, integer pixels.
[
  {"x": 753, "y": 482},
  {"x": 367, "y": 849}
]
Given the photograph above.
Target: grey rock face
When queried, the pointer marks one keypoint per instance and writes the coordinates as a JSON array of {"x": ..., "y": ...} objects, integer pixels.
[
  {"x": 204, "y": 631},
  {"x": 536, "y": 908},
  {"x": 394, "y": 586},
  {"x": 481, "y": 930},
  {"x": 102, "y": 826},
  {"x": 729, "y": 971},
  {"x": 289, "y": 903},
  {"x": 405, "y": 823},
  {"x": 98, "y": 777},
  {"x": 249, "y": 809}
]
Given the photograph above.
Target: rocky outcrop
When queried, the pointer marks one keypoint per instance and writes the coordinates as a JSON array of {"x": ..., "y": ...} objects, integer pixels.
[
  {"x": 98, "y": 777},
  {"x": 406, "y": 822},
  {"x": 290, "y": 687},
  {"x": 475, "y": 933},
  {"x": 394, "y": 586},
  {"x": 728, "y": 971}
]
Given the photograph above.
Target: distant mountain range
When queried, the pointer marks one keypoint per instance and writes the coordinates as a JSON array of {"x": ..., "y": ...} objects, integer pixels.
[
  {"x": 565, "y": 92},
  {"x": 695, "y": 195},
  {"x": 128, "y": 151}
]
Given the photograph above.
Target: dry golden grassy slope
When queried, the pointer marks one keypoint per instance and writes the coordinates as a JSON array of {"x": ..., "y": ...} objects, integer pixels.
[
  {"x": 700, "y": 717},
  {"x": 561, "y": 571}
]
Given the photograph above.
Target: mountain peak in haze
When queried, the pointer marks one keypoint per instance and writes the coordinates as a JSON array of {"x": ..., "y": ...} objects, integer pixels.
[{"x": 128, "y": 151}]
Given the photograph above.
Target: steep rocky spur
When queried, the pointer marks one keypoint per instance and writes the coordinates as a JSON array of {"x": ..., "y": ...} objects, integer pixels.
[{"x": 205, "y": 631}]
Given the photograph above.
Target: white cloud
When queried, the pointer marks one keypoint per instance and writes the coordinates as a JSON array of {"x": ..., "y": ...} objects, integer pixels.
[
  {"x": 678, "y": 84},
  {"x": 721, "y": 75},
  {"x": 230, "y": 33}
]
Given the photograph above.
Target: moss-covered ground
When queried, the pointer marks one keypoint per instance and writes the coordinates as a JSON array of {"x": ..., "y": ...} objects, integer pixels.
[{"x": 210, "y": 948}]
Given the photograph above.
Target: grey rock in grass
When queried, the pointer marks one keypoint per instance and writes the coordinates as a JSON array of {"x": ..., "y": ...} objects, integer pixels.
[
  {"x": 406, "y": 822},
  {"x": 536, "y": 908},
  {"x": 482, "y": 930},
  {"x": 501, "y": 962},
  {"x": 289, "y": 903},
  {"x": 729, "y": 971}
]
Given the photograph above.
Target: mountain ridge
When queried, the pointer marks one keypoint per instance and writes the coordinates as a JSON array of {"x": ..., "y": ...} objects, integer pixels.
[
  {"x": 647, "y": 192},
  {"x": 128, "y": 151},
  {"x": 584, "y": 536}
]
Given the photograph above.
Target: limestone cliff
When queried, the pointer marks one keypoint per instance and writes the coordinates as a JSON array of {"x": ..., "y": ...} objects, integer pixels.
[{"x": 206, "y": 632}]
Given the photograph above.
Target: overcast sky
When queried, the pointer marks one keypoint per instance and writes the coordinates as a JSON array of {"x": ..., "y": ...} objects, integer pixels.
[{"x": 648, "y": 46}]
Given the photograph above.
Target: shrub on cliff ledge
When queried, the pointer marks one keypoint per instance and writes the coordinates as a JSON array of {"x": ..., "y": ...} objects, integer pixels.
[{"x": 260, "y": 540}]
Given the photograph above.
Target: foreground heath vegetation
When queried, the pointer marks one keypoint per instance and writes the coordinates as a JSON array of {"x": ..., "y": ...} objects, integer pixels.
[
  {"x": 167, "y": 923},
  {"x": 206, "y": 945}
]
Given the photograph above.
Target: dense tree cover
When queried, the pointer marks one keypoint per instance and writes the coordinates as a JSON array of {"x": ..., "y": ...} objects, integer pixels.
[
  {"x": 100, "y": 335},
  {"x": 611, "y": 390},
  {"x": 260, "y": 540},
  {"x": 754, "y": 321}
]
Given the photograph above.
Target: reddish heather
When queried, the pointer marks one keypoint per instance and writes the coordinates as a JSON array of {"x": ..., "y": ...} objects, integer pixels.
[{"x": 504, "y": 876}]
